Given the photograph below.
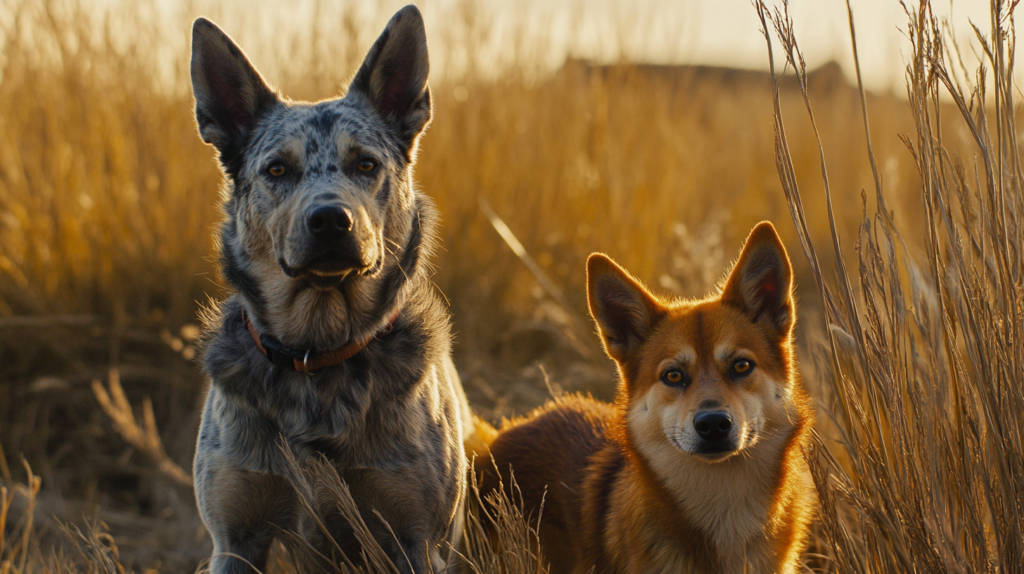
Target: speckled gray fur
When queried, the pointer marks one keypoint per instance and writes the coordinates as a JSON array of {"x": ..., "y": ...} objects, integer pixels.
[{"x": 391, "y": 418}]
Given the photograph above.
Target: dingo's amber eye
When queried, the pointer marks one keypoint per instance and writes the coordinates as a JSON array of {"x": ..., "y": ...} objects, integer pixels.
[
  {"x": 742, "y": 366},
  {"x": 367, "y": 165},
  {"x": 276, "y": 169},
  {"x": 673, "y": 377}
]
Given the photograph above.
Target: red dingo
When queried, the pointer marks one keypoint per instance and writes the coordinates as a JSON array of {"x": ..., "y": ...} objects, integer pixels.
[{"x": 698, "y": 466}]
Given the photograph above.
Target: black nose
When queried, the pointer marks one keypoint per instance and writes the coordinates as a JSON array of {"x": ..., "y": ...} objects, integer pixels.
[
  {"x": 329, "y": 221},
  {"x": 713, "y": 426}
]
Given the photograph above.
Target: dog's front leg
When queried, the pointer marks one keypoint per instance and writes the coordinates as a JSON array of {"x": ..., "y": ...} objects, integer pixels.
[{"x": 243, "y": 511}]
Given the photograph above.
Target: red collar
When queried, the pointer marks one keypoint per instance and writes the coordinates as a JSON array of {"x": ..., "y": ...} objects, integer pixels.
[{"x": 305, "y": 361}]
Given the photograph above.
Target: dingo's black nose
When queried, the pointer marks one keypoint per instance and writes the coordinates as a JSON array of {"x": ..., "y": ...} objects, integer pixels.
[
  {"x": 329, "y": 221},
  {"x": 713, "y": 426}
]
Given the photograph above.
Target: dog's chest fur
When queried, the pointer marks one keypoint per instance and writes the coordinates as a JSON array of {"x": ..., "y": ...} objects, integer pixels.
[{"x": 363, "y": 412}]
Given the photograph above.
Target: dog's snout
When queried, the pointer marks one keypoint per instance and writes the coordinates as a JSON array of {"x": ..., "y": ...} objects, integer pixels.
[
  {"x": 329, "y": 221},
  {"x": 709, "y": 404},
  {"x": 713, "y": 426}
]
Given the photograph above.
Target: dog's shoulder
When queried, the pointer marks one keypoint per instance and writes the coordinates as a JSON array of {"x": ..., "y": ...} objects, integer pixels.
[{"x": 230, "y": 357}]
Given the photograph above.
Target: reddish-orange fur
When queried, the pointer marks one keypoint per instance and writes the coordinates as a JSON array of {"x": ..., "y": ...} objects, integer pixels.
[{"x": 634, "y": 487}]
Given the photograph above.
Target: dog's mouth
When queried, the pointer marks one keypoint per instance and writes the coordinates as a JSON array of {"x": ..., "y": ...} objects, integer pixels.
[
  {"x": 716, "y": 451},
  {"x": 329, "y": 269},
  {"x": 707, "y": 450},
  {"x": 334, "y": 264}
]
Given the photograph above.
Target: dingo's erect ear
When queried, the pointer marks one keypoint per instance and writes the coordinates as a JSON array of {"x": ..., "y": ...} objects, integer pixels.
[
  {"x": 393, "y": 77},
  {"x": 624, "y": 310},
  {"x": 761, "y": 283},
  {"x": 230, "y": 94}
]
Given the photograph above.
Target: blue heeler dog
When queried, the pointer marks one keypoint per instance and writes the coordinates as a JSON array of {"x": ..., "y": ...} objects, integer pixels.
[{"x": 334, "y": 343}]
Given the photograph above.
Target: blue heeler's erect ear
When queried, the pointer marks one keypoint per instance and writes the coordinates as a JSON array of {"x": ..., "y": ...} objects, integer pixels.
[
  {"x": 230, "y": 94},
  {"x": 393, "y": 77}
]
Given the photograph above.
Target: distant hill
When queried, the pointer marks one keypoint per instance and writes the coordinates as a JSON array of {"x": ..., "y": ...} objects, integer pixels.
[{"x": 827, "y": 77}]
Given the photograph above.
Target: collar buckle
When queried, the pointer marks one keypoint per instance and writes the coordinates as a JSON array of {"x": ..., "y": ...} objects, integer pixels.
[{"x": 280, "y": 355}]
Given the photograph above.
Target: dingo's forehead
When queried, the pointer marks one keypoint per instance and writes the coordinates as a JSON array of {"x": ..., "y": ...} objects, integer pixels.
[{"x": 708, "y": 336}]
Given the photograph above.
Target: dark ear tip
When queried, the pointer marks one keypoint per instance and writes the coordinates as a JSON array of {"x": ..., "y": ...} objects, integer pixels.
[
  {"x": 410, "y": 11},
  {"x": 204, "y": 32},
  {"x": 201, "y": 25},
  {"x": 764, "y": 231},
  {"x": 410, "y": 20},
  {"x": 764, "y": 235},
  {"x": 599, "y": 263}
]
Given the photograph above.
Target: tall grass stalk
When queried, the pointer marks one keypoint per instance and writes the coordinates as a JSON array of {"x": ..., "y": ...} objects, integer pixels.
[{"x": 925, "y": 359}]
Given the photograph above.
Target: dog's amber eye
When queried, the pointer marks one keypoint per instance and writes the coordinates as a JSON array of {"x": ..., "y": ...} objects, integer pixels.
[
  {"x": 367, "y": 165},
  {"x": 276, "y": 169},
  {"x": 742, "y": 366},
  {"x": 673, "y": 377}
]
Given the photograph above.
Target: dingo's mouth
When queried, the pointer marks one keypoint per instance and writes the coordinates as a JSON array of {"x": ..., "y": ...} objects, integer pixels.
[{"x": 716, "y": 452}]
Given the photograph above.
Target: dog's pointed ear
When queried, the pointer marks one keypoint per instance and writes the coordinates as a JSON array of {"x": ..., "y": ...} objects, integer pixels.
[
  {"x": 393, "y": 77},
  {"x": 230, "y": 94},
  {"x": 761, "y": 283},
  {"x": 625, "y": 311}
]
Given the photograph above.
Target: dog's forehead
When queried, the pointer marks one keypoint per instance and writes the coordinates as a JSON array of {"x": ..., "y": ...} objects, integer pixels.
[
  {"x": 719, "y": 334},
  {"x": 708, "y": 331},
  {"x": 320, "y": 129}
]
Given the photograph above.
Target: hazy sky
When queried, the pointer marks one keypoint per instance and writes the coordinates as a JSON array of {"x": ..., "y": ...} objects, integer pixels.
[
  {"x": 726, "y": 32},
  {"x": 718, "y": 32}
]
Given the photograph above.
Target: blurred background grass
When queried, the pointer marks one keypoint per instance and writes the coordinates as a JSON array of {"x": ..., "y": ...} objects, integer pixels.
[{"x": 108, "y": 202}]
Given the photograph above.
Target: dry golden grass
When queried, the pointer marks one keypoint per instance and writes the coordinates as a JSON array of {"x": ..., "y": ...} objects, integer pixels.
[
  {"x": 922, "y": 469},
  {"x": 109, "y": 197},
  {"x": 108, "y": 201},
  {"x": 94, "y": 551}
]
